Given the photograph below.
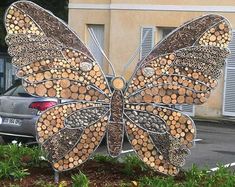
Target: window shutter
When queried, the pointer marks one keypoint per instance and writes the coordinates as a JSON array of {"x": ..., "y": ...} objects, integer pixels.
[
  {"x": 148, "y": 42},
  {"x": 229, "y": 84},
  {"x": 187, "y": 109}
]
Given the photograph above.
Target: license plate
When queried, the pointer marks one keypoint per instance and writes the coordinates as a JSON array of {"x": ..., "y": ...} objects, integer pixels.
[{"x": 12, "y": 121}]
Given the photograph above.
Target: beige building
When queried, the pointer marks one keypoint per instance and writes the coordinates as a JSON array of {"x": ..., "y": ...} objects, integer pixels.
[{"x": 120, "y": 26}]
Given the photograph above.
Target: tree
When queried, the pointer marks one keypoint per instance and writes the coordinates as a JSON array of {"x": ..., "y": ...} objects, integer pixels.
[{"x": 58, "y": 7}]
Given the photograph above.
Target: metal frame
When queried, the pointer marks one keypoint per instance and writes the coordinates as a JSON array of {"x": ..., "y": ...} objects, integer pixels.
[{"x": 118, "y": 113}]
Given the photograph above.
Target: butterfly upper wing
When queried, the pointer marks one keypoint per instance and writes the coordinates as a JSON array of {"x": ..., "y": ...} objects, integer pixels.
[
  {"x": 50, "y": 58},
  {"x": 53, "y": 62},
  {"x": 184, "y": 67},
  {"x": 51, "y": 25},
  {"x": 161, "y": 136}
]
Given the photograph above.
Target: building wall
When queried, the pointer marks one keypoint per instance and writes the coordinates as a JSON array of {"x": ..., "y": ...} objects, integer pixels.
[{"x": 123, "y": 27}]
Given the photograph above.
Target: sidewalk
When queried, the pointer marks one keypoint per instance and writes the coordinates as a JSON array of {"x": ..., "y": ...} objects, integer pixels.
[{"x": 224, "y": 120}]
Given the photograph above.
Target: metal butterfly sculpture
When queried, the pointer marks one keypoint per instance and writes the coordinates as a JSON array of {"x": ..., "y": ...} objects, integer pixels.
[{"x": 181, "y": 69}]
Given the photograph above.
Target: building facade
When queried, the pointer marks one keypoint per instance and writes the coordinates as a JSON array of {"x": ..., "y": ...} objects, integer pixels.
[{"x": 120, "y": 27}]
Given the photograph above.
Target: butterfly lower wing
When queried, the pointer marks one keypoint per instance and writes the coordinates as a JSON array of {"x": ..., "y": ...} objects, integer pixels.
[
  {"x": 50, "y": 58},
  {"x": 64, "y": 127},
  {"x": 185, "y": 73},
  {"x": 61, "y": 142},
  {"x": 88, "y": 143},
  {"x": 145, "y": 149},
  {"x": 161, "y": 136}
]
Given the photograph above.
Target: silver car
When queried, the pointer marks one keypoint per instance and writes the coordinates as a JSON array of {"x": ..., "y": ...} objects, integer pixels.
[{"x": 19, "y": 111}]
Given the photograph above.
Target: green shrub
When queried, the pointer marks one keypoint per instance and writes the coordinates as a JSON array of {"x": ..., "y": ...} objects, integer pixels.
[
  {"x": 132, "y": 162},
  {"x": 157, "y": 182},
  {"x": 42, "y": 183},
  {"x": 194, "y": 176},
  {"x": 14, "y": 185},
  {"x": 16, "y": 159},
  {"x": 80, "y": 180},
  {"x": 104, "y": 158},
  {"x": 222, "y": 177}
]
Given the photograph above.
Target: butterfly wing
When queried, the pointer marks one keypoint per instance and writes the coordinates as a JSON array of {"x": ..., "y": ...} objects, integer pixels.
[
  {"x": 53, "y": 62},
  {"x": 69, "y": 133},
  {"x": 161, "y": 136},
  {"x": 184, "y": 67},
  {"x": 50, "y": 58},
  {"x": 62, "y": 127},
  {"x": 181, "y": 69},
  {"x": 89, "y": 141}
]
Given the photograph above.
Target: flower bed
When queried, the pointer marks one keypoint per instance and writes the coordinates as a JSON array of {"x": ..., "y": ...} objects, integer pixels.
[{"x": 24, "y": 166}]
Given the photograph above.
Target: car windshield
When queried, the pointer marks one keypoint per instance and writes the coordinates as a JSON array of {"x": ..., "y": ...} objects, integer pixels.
[
  {"x": 9, "y": 91},
  {"x": 16, "y": 90},
  {"x": 20, "y": 91}
]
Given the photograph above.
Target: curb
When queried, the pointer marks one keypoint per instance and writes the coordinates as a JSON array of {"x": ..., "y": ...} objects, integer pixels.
[{"x": 216, "y": 121}]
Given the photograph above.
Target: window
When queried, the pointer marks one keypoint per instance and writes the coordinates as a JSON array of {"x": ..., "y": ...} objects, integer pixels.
[
  {"x": 99, "y": 33},
  {"x": 164, "y": 31},
  {"x": 148, "y": 35},
  {"x": 7, "y": 74}
]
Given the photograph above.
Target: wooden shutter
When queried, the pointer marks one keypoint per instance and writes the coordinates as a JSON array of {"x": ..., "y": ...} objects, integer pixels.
[
  {"x": 229, "y": 82},
  {"x": 148, "y": 43}
]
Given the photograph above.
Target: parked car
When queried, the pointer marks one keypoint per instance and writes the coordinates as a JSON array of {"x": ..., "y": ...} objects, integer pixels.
[{"x": 19, "y": 111}]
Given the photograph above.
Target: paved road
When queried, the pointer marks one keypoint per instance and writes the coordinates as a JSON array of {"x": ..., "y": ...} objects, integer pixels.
[{"x": 217, "y": 145}]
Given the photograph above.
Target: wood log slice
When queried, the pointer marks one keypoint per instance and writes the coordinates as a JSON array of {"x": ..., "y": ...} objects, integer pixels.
[{"x": 40, "y": 90}]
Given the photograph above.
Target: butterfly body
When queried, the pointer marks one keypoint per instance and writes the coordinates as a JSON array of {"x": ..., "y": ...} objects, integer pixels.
[
  {"x": 53, "y": 62},
  {"x": 115, "y": 129}
]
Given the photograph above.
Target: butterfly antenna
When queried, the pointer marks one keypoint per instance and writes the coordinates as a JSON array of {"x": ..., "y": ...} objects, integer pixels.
[
  {"x": 135, "y": 53},
  {"x": 100, "y": 48}
]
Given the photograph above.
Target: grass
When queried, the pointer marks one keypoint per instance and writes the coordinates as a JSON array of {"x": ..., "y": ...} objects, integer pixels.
[
  {"x": 42, "y": 183},
  {"x": 194, "y": 177},
  {"x": 131, "y": 163},
  {"x": 15, "y": 160},
  {"x": 80, "y": 180},
  {"x": 104, "y": 159},
  {"x": 156, "y": 181}
]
